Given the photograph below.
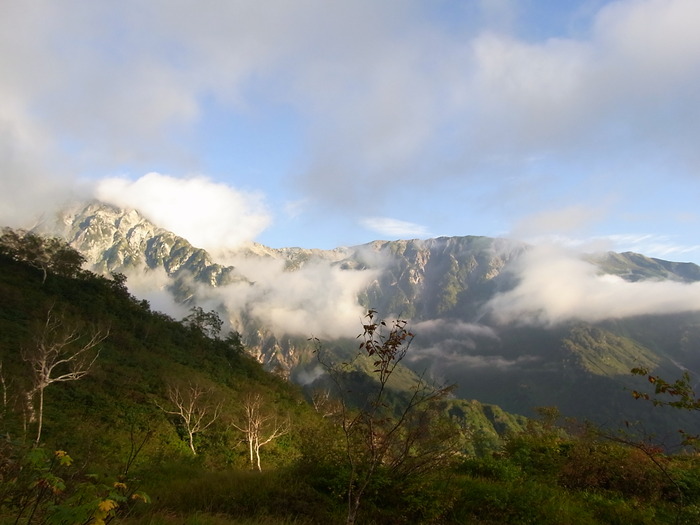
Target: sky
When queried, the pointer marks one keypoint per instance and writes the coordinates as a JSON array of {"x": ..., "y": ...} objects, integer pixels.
[{"x": 318, "y": 123}]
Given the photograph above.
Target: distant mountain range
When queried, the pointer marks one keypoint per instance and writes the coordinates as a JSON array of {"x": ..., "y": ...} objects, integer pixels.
[{"x": 453, "y": 290}]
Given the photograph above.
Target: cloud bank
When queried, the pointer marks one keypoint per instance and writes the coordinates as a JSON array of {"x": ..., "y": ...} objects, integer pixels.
[
  {"x": 412, "y": 96},
  {"x": 555, "y": 285},
  {"x": 318, "y": 300}
]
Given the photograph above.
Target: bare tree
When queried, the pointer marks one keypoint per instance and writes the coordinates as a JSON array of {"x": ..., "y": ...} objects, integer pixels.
[
  {"x": 60, "y": 352},
  {"x": 324, "y": 403},
  {"x": 194, "y": 407},
  {"x": 258, "y": 427},
  {"x": 403, "y": 439}
]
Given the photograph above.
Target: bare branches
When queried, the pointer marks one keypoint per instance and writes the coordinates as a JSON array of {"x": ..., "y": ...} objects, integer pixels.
[
  {"x": 397, "y": 437},
  {"x": 194, "y": 408},
  {"x": 324, "y": 403},
  {"x": 60, "y": 352},
  {"x": 259, "y": 427}
]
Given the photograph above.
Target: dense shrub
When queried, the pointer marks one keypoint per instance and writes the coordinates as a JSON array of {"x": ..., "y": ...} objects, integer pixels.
[
  {"x": 492, "y": 468},
  {"x": 521, "y": 503},
  {"x": 624, "y": 470},
  {"x": 240, "y": 494}
]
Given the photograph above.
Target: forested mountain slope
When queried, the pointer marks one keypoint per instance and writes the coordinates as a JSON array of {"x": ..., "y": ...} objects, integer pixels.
[
  {"x": 480, "y": 307},
  {"x": 141, "y": 357}
]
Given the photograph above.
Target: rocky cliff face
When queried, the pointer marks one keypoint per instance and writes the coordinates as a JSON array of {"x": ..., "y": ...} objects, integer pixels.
[
  {"x": 115, "y": 240},
  {"x": 443, "y": 277}
]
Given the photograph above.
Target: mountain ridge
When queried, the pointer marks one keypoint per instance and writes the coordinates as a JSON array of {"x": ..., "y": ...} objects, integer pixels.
[{"x": 444, "y": 286}]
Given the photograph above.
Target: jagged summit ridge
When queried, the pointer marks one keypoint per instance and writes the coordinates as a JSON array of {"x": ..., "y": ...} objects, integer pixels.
[{"x": 118, "y": 240}]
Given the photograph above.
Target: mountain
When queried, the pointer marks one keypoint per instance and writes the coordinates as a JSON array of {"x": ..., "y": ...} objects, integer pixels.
[
  {"x": 160, "y": 422},
  {"x": 125, "y": 390},
  {"x": 449, "y": 288}
]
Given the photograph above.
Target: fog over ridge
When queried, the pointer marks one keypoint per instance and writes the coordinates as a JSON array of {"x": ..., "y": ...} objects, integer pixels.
[{"x": 555, "y": 285}]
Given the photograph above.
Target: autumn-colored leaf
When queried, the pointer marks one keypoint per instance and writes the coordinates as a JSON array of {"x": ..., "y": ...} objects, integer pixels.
[{"x": 107, "y": 505}]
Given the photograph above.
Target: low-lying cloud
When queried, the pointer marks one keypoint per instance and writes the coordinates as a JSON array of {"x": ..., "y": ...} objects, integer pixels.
[
  {"x": 555, "y": 285},
  {"x": 318, "y": 300},
  {"x": 152, "y": 285}
]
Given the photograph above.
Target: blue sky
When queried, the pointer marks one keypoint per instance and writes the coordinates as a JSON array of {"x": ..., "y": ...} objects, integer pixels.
[{"x": 321, "y": 123}]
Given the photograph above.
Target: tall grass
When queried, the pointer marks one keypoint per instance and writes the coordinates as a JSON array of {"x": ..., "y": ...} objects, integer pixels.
[{"x": 235, "y": 496}]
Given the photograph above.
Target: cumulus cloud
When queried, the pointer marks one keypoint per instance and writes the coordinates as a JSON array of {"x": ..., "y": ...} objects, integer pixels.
[
  {"x": 210, "y": 215},
  {"x": 394, "y": 227},
  {"x": 556, "y": 285},
  {"x": 494, "y": 99},
  {"x": 390, "y": 94}
]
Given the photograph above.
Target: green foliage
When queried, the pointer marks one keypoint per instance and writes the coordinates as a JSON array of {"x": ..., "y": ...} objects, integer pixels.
[
  {"x": 605, "y": 353},
  {"x": 388, "y": 439},
  {"x": 612, "y": 467},
  {"x": 678, "y": 394},
  {"x": 522, "y": 503},
  {"x": 208, "y": 323},
  {"x": 239, "y": 494},
  {"x": 40, "y": 486},
  {"x": 145, "y": 351},
  {"x": 491, "y": 468},
  {"x": 49, "y": 255}
]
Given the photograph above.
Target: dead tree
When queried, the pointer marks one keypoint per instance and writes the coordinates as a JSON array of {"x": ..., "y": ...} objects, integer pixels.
[
  {"x": 60, "y": 352},
  {"x": 194, "y": 408},
  {"x": 259, "y": 428}
]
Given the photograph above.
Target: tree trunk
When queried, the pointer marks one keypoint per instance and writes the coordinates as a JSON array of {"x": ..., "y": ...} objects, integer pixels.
[
  {"x": 257, "y": 456},
  {"x": 353, "y": 507},
  {"x": 41, "y": 415},
  {"x": 191, "y": 436}
]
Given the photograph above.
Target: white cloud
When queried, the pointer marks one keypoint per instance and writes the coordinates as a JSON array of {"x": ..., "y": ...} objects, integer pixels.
[
  {"x": 556, "y": 286},
  {"x": 318, "y": 300},
  {"x": 660, "y": 246},
  {"x": 394, "y": 227},
  {"x": 210, "y": 215},
  {"x": 453, "y": 329},
  {"x": 386, "y": 96},
  {"x": 152, "y": 285}
]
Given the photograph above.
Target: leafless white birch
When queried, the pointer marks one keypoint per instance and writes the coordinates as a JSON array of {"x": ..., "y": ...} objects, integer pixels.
[
  {"x": 194, "y": 408},
  {"x": 259, "y": 428},
  {"x": 60, "y": 352}
]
